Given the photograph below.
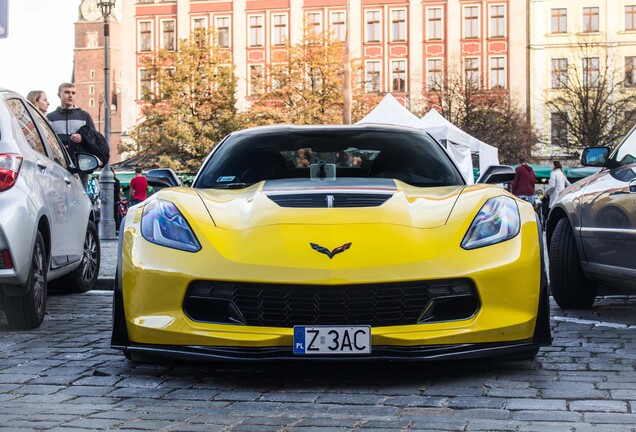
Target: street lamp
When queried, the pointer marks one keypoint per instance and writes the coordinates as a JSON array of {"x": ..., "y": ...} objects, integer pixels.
[{"x": 107, "y": 179}]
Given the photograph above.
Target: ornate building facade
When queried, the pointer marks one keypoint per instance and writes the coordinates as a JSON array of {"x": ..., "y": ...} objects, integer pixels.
[
  {"x": 406, "y": 46},
  {"x": 585, "y": 38}
]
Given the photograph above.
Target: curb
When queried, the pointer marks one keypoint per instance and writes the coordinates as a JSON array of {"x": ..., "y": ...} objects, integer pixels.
[{"x": 107, "y": 284}]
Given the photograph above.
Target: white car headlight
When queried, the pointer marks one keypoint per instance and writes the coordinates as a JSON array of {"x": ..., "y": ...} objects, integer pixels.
[
  {"x": 498, "y": 220},
  {"x": 163, "y": 224}
]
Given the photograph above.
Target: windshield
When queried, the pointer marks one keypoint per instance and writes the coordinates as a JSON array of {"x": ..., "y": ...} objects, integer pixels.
[{"x": 324, "y": 154}]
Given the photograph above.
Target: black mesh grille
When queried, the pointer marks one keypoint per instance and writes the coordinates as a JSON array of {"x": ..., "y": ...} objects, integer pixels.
[
  {"x": 336, "y": 200},
  {"x": 370, "y": 304}
]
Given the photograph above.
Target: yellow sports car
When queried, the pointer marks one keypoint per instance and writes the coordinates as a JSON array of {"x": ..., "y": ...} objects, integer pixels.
[{"x": 330, "y": 242}]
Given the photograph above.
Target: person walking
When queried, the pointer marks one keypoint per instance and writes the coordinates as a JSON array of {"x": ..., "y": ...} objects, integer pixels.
[
  {"x": 138, "y": 187},
  {"x": 67, "y": 119},
  {"x": 39, "y": 100},
  {"x": 523, "y": 184},
  {"x": 558, "y": 181}
]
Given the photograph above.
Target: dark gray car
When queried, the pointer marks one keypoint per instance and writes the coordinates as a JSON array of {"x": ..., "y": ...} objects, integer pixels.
[{"x": 591, "y": 231}]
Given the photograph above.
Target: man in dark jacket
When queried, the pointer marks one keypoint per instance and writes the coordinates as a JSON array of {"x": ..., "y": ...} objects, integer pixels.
[
  {"x": 68, "y": 118},
  {"x": 523, "y": 183}
]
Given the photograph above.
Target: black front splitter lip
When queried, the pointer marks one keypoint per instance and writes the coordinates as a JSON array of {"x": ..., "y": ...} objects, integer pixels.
[{"x": 515, "y": 349}]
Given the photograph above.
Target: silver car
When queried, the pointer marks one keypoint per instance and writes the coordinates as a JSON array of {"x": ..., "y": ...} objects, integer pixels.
[
  {"x": 47, "y": 228},
  {"x": 591, "y": 229}
]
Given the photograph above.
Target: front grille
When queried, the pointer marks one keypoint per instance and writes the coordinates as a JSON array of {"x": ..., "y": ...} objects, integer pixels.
[
  {"x": 287, "y": 305},
  {"x": 335, "y": 200}
]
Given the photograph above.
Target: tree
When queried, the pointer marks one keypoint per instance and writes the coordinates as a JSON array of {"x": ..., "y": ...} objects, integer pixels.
[
  {"x": 304, "y": 84},
  {"x": 490, "y": 115},
  {"x": 592, "y": 99},
  {"x": 192, "y": 106}
]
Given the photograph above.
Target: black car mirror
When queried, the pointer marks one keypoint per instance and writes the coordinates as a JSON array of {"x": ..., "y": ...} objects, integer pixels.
[
  {"x": 594, "y": 156},
  {"x": 162, "y": 177},
  {"x": 496, "y": 174}
]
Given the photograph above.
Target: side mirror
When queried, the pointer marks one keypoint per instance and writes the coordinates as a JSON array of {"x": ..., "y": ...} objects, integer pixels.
[
  {"x": 595, "y": 156},
  {"x": 162, "y": 177},
  {"x": 86, "y": 162},
  {"x": 496, "y": 174}
]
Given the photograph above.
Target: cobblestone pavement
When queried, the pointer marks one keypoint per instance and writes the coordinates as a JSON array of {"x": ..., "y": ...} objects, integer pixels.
[{"x": 64, "y": 377}]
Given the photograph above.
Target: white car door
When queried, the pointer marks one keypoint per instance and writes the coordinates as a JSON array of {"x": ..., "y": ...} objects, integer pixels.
[{"x": 71, "y": 199}]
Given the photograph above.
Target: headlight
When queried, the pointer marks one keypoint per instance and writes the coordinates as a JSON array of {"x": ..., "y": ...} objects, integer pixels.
[
  {"x": 163, "y": 224},
  {"x": 497, "y": 221}
]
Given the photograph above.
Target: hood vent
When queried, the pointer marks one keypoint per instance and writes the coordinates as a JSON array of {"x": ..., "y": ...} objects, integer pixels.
[{"x": 330, "y": 200}]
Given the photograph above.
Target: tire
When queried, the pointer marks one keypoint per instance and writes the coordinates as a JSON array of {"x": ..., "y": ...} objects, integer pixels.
[
  {"x": 570, "y": 287},
  {"x": 27, "y": 311},
  {"x": 84, "y": 277}
]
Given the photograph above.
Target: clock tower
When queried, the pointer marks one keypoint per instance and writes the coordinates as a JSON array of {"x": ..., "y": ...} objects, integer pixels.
[{"x": 88, "y": 69}]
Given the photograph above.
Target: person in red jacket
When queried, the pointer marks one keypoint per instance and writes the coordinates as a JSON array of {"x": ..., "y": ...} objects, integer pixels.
[
  {"x": 523, "y": 183},
  {"x": 138, "y": 187}
]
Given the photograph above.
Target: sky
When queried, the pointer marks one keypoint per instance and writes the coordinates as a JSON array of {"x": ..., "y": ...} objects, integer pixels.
[{"x": 38, "y": 52}]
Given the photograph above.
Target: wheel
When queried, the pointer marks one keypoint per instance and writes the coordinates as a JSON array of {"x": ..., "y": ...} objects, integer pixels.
[
  {"x": 570, "y": 287},
  {"x": 84, "y": 277},
  {"x": 27, "y": 311}
]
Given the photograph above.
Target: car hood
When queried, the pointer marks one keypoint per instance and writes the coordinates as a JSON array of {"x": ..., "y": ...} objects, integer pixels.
[{"x": 330, "y": 203}]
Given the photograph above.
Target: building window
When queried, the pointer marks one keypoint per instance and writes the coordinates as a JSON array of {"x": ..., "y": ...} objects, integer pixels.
[
  {"x": 471, "y": 22},
  {"x": 398, "y": 76},
  {"x": 559, "y": 21},
  {"x": 471, "y": 71},
  {"x": 630, "y": 17},
  {"x": 339, "y": 25},
  {"x": 223, "y": 31},
  {"x": 497, "y": 72},
  {"x": 398, "y": 25},
  {"x": 279, "y": 32},
  {"x": 256, "y": 31},
  {"x": 374, "y": 77},
  {"x": 630, "y": 72},
  {"x": 144, "y": 82},
  {"x": 559, "y": 73},
  {"x": 558, "y": 130},
  {"x": 91, "y": 73},
  {"x": 198, "y": 23},
  {"x": 314, "y": 24},
  {"x": 91, "y": 89},
  {"x": 373, "y": 26},
  {"x": 434, "y": 24},
  {"x": 434, "y": 75},
  {"x": 91, "y": 102},
  {"x": 145, "y": 36},
  {"x": 92, "y": 40},
  {"x": 168, "y": 40},
  {"x": 590, "y": 71},
  {"x": 590, "y": 19},
  {"x": 497, "y": 21},
  {"x": 256, "y": 79}
]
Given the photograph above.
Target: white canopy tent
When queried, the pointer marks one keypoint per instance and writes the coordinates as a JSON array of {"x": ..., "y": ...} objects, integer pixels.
[
  {"x": 390, "y": 111},
  {"x": 445, "y": 131}
]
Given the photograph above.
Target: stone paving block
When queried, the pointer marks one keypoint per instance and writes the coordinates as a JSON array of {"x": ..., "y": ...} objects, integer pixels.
[
  {"x": 416, "y": 401},
  {"x": 536, "y": 404},
  {"x": 599, "y": 405},
  {"x": 136, "y": 392},
  {"x": 289, "y": 397},
  {"x": 350, "y": 399},
  {"x": 482, "y": 413},
  {"x": 610, "y": 418},
  {"x": 476, "y": 402},
  {"x": 541, "y": 415}
]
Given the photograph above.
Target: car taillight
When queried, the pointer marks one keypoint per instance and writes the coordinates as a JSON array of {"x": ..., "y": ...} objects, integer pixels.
[
  {"x": 9, "y": 168},
  {"x": 5, "y": 260}
]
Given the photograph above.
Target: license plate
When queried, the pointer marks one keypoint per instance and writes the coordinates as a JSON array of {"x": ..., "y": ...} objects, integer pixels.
[{"x": 332, "y": 340}]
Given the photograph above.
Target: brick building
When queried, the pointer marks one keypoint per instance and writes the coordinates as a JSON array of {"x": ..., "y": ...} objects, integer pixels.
[
  {"x": 406, "y": 46},
  {"x": 88, "y": 69}
]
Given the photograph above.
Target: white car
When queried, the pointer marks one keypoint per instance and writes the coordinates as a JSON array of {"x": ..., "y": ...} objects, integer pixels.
[{"x": 47, "y": 228}]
